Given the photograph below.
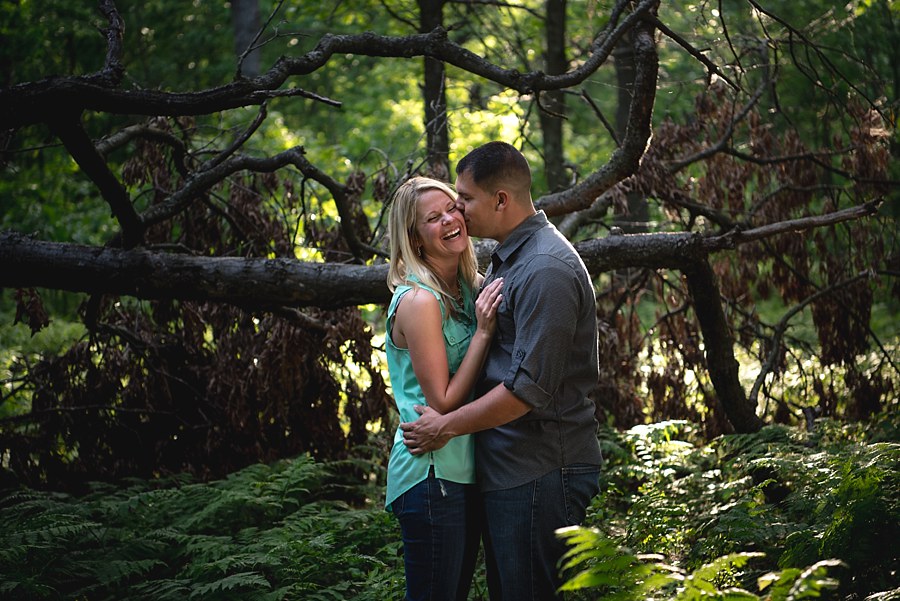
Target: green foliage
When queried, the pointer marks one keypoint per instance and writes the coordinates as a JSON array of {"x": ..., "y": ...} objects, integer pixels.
[
  {"x": 793, "y": 499},
  {"x": 266, "y": 532},
  {"x": 678, "y": 520}
]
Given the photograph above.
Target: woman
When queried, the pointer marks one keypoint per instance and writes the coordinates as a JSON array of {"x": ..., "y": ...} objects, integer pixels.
[{"x": 437, "y": 339}]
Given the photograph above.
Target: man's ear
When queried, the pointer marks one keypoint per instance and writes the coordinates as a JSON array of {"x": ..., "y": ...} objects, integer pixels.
[{"x": 502, "y": 199}]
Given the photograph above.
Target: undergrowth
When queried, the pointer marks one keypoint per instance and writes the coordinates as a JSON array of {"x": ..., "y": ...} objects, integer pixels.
[
  {"x": 781, "y": 514},
  {"x": 778, "y": 515},
  {"x": 266, "y": 532}
]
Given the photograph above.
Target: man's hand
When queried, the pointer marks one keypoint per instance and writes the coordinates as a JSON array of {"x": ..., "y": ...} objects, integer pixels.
[{"x": 425, "y": 434}]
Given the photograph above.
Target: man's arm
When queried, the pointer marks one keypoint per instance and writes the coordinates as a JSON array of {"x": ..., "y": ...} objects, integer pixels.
[{"x": 432, "y": 430}]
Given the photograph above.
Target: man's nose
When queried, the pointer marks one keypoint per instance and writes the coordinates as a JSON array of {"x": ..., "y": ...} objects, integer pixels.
[{"x": 460, "y": 206}]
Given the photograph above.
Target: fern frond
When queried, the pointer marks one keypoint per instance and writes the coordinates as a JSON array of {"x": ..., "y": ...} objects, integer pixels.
[{"x": 241, "y": 580}]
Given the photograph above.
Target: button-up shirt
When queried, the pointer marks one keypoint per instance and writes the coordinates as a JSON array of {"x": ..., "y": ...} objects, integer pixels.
[{"x": 545, "y": 352}]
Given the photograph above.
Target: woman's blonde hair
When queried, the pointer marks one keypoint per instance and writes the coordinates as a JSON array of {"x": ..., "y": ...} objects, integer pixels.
[{"x": 405, "y": 259}]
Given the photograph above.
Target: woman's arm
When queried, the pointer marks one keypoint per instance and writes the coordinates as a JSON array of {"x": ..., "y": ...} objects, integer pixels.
[{"x": 418, "y": 321}]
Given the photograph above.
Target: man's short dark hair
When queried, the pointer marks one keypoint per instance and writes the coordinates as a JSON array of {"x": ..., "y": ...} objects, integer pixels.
[{"x": 494, "y": 163}]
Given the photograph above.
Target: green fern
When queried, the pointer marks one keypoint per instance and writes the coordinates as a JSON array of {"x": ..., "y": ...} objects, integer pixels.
[
  {"x": 242, "y": 581},
  {"x": 618, "y": 575},
  {"x": 677, "y": 518}
]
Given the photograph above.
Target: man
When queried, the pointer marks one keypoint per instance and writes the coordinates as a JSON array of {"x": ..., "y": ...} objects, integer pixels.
[{"x": 537, "y": 454}]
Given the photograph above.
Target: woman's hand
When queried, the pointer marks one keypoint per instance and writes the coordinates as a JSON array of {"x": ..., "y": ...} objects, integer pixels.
[{"x": 486, "y": 307}]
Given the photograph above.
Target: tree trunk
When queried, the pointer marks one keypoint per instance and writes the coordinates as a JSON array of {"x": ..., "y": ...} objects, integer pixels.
[
  {"x": 435, "y": 96},
  {"x": 273, "y": 282},
  {"x": 269, "y": 282},
  {"x": 141, "y": 273},
  {"x": 246, "y": 23},
  {"x": 553, "y": 101}
]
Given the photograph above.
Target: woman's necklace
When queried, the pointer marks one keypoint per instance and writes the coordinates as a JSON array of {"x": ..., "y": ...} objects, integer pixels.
[
  {"x": 459, "y": 292},
  {"x": 456, "y": 296}
]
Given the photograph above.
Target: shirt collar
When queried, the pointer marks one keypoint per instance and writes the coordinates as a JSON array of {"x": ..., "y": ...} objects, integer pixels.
[{"x": 519, "y": 236}]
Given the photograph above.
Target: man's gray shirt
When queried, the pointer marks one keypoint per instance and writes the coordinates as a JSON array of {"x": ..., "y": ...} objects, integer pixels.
[{"x": 545, "y": 352}]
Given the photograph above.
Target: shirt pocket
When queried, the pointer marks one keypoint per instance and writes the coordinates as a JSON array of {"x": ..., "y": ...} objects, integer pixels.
[
  {"x": 456, "y": 339},
  {"x": 505, "y": 334}
]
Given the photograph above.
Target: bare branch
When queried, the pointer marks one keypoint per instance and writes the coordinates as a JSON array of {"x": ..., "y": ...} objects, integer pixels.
[
  {"x": 606, "y": 124},
  {"x": 113, "y": 70},
  {"x": 711, "y": 67},
  {"x": 719, "y": 345},
  {"x": 127, "y": 134},
  {"x": 238, "y": 141},
  {"x": 810, "y": 44},
  {"x": 498, "y": 3},
  {"x": 71, "y": 133},
  {"x": 286, "y": 282},
  {"x": 294, "y": 92},
  {"x": 252, "y": 45},
  {"x": 796, "y": 225},
  {"x": 31, "y": 102},
  {"x": 726, "y": 137},
  {"x": 782, "y": 325},
  {"x": 245, "y": 282}
]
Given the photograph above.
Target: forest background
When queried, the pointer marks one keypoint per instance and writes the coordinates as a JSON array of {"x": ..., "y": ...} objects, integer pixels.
[{"x": 192, "y": 248}]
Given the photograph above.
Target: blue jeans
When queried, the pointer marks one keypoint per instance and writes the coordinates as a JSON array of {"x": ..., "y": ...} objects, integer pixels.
[
  {"x": 440, "y": 523},
  {"x": 521, "y": 546}
]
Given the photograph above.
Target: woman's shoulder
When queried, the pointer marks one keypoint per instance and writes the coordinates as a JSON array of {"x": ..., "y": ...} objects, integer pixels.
[{"x": 420, "y": 297}]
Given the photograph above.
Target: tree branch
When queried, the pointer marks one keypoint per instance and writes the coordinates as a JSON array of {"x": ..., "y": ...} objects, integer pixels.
[
  {"x": 711, "y": 67},
  {"x": 237, "y": 142},
  {"x": 795, "y": 225},
  {"x": 719, "y": 345},
  {"x": 625, "y": 159},
  {"x": 245, "y": 282},
  {"x": 75, "y": 139},
  {"x": 782, "y": 325},
  {"x": 252, "y": 45},
  {"x": 127, "y": 134},
  {"x": 113, "y": 70},
  {"x": 31, "y": 102}
]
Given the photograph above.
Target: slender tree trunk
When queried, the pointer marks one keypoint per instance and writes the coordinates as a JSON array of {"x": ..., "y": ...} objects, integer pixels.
[
  {"x": 435, "y": 96},
  {"x": 246, "y": 23},
  {"x": 553, "y": 101}
]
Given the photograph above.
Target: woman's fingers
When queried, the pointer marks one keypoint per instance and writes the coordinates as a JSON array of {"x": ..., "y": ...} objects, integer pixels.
[{"x": 489, "y": 299}]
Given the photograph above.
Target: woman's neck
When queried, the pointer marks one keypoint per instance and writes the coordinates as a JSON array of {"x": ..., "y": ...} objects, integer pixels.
[{"x": 447, "y": 273}]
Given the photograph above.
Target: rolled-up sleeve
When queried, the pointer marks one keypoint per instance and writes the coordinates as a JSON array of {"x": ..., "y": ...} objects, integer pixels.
[{"x": 546, "y": 305}]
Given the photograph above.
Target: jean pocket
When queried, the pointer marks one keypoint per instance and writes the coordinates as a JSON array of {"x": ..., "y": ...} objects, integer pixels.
[
  {"x": 580, "y": 483},
  {"x": 577, "y": 469}
]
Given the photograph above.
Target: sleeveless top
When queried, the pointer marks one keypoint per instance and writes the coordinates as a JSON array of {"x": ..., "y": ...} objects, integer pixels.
[{"x": 456, "y": 460}]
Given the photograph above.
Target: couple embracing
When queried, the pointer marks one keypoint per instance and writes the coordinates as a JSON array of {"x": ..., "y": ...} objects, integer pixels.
[{"x": 491, "y": 376}]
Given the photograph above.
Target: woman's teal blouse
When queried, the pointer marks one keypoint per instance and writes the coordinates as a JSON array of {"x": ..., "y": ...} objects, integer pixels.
[{"x": 456, "y": 460}]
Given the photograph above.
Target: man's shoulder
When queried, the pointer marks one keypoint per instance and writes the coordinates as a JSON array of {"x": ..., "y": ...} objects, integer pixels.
[
  {"x": 549, "y": 248},
  {"x": 552, "y": 239}
]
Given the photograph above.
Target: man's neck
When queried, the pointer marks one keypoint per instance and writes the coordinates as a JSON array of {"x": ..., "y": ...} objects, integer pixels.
[{"x": 514, "y": 222}]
